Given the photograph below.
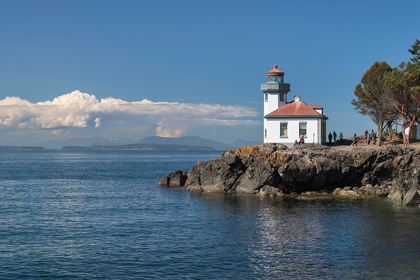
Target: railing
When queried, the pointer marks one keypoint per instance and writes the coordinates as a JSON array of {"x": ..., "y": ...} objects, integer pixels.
[{"x": 275, "y": 86}]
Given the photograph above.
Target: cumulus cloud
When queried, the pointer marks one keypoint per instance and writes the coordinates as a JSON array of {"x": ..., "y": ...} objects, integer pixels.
[
  {"x": 83, "y": 110},
  {"x": 168, "y": 132},
  {"x": 97, "y": 122}
]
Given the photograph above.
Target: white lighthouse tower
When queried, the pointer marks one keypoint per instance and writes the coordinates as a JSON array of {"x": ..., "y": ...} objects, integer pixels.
[{"x": 275, "y": 90}]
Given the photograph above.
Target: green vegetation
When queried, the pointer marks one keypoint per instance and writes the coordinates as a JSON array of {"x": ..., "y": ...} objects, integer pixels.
[
  {"x": 373, "y": 98},
  {"x": 388, "y": 94},
  {"x": 403, "y": 84},
  {"x": 415, "y": 51}
]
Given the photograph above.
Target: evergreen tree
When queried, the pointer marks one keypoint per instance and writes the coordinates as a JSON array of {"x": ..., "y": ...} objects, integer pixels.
[{"x": 415, "y": 51}]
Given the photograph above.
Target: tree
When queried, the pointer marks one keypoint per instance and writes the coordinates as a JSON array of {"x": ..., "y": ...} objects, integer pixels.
[
  {"x": 403, "y": 83},
  {"x": 415, "y": 51},
  {"x": 373, "y": 98}
]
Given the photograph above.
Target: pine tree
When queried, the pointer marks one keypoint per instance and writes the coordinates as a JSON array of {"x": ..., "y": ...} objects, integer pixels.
[{"x": 415, "y": 51}]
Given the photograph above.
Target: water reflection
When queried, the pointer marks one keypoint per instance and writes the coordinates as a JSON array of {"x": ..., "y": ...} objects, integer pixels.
[{"x": 326, "y": 239}]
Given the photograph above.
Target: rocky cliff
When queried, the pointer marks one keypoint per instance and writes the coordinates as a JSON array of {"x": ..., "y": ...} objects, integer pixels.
[{"x": 275, "y": 170}]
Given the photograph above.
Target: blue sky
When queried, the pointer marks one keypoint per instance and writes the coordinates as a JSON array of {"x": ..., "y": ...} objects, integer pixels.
[{"x": 177, "y": 68}]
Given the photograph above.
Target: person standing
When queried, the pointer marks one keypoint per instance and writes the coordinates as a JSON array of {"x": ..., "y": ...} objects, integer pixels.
[
  {"x": 354, "y": 140},
  {"x": 373, "y": 134},
  {"x": 335, "y": 137},
  {"x": 341, "y": 138},
  {"x": 366, "y": 133},
  {"x": 329, "y": 138},
  {"x": 368, "y": 139}
]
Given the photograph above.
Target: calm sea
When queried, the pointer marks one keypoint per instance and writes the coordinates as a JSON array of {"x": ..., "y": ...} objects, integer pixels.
[{"x": 100, "y": 215}]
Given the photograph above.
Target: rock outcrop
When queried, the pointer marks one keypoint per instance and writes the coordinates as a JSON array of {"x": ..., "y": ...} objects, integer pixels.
[{"x": 275, "y": 170}]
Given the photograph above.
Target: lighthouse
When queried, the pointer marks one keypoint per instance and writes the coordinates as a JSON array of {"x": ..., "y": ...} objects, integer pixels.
[{"x": 285, "y": 122}]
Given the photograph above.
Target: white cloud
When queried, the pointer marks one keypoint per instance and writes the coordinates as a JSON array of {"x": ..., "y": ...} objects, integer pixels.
[
  {"x": 168, "y": 132},
  {"x": 97, "y": 122},
  {"x": 77, "y": 110}
]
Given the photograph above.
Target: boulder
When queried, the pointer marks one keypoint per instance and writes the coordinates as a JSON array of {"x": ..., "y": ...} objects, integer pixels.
[
  {"x": 368, "y": 187},
  {"x": 396, "y": 194},
  {"x": 258, "y": 174},
  {"x": 412, "y": 197},
  {"x": 270, "y": 191},
  {"x": 213, "y": 176},
  {"x": 174, "y": 179},
  {"x": 382, "y": 191}
]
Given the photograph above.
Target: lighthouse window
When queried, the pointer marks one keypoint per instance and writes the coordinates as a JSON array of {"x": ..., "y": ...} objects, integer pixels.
[
  {"x": 266, "y": 97},
  {"x": 281, "y": 97},
  {"x": 283, "y": 130},
  {"x": 265, "y": 133},
  {"x": 302, "y": 129}
]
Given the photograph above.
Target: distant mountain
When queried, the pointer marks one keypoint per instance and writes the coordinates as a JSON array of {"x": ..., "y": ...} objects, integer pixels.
[
  {"x": 173, "y": 147},
  {"x": 197, "y": 141}
]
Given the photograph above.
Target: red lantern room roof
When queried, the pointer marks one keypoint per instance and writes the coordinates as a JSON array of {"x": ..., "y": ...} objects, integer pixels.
[{"x": 275, "y": 72}]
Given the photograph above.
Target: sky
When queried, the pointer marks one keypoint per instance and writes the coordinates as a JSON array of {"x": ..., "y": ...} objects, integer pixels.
[{"x": 131, "y": 69}]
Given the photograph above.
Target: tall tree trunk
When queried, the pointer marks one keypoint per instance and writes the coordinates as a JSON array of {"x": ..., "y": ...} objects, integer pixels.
[
  {"x": 379, "y": 136},
  {"x": 410, "y": 124},
  {"x": 403, "y": 132},
  {"x": 390, "y": 132}
]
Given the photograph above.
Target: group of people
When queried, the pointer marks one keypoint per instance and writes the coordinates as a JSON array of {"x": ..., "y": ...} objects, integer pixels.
[
  {"x": 334, "y": 135},
  {"x": 369, "y": 137}
]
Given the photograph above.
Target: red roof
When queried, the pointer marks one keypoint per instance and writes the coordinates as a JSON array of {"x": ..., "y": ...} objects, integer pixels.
[
  {"x": 315, "y": 107},
  {"x": 275, "y": 72},
  {"x": 296, "y": 108}
]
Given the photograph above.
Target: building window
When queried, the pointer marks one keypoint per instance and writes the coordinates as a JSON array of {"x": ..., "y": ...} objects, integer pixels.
[
  {"x": 302, "y": 129},
  {"x": 265, "y": 133},
  {"x": 266, "y": 97},
  {"x": 281, "y": 97},
  {"x": 283, "y": 130}
]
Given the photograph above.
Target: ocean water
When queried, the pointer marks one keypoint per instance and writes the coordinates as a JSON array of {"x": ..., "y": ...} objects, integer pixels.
[{"x": 100, "y": 215}]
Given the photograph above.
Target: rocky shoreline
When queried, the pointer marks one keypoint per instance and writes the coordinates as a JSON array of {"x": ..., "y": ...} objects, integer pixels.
[{"x": 276, "y": 170}]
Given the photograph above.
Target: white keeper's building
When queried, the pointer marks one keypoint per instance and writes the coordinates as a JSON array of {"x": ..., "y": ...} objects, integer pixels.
[{"x": 285, "y": 121}]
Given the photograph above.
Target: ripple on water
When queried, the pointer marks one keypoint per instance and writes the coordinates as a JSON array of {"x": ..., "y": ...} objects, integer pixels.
[{"x": 100, "y": 215}]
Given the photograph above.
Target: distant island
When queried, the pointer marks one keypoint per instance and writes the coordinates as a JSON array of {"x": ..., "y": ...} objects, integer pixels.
[
  {"x": 198, "y": 141},
  {"x": 13, "y": 148},
  {"x": 81, "y": 143},
  {"x": 172, "y": 147}
]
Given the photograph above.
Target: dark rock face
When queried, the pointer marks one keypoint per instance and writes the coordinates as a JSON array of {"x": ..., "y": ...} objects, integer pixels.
[
  {"x": 258, "y": 174},
  {"x": 274, "y": 169},
  {"x": 174, "y": 179}
]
